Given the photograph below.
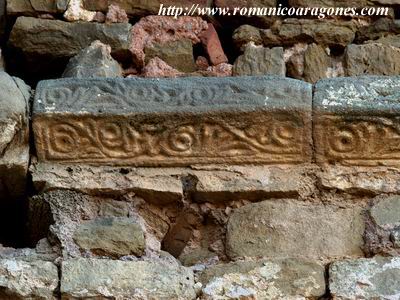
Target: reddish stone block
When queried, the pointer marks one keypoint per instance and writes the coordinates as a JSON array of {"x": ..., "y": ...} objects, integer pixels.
[{"x": 212, "y": 45}]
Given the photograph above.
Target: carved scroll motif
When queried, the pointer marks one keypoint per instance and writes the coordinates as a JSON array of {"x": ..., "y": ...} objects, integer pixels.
[
  {"x": 361, "y": 139},
  {"x": 102, "y": 139}
]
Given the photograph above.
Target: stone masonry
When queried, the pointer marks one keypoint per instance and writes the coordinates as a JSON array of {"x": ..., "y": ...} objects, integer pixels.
[{"x": 149, "y": 157}]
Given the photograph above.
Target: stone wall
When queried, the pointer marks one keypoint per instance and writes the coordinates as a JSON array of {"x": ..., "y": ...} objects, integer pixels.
[{"x": 210, "y": 185}]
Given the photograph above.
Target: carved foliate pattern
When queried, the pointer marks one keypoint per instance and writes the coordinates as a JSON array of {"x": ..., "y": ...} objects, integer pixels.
[
  {"x": 104, "y": 96},
  {"x": 127, "y": 140},
  {"x": 360, "y": 140}
]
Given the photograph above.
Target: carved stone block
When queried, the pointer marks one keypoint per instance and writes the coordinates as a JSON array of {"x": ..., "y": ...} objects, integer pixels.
[
  {"x": 166, "y": 122},
  {"x": 357, "y": 121}
]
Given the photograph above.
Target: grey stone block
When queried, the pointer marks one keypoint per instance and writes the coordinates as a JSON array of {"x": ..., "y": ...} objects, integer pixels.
[
  {"x": 376, "y": 278},
  {"x": 58, "y": 39},
  {"x": 288, "y": 228},
  {"x": 99, "y": 278},
  {"x": 173, "y": 122}
]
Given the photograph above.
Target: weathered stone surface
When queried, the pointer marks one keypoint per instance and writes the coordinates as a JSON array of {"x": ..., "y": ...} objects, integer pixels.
[
  {"x": 177, "y": 54},
  {"x": 395, "y": 238},
  {"x": 31, "y": 7},
  {"x": 42, "y": 252},
  {"x": 372, "y": 59},
  {"x": 361, "y": 180},
  {"x": 202, "y": 120},
  {"x": 377, "y": 278},
  {"x": 356, "y": 121},
  {"x": 260, "y": 61},
  {"x": 385, "y": 212},
  {"x": 219, "y": 185},
  {"x": 212, "y": 45},
  {"x": 291, "y": 229},
  {"x": 157, "y": 186},
  {"x": 161, "y": 30},
  {"x": 378, "y": 29},
  {"x": 141, "y": 8},
  {"x": 294, "y": 58},
  {"x": 264, "y": 279},
  {"x": 246, "y": 34},
  {"x": 324, "y": 32},
  {"x": 55, "y": 39},
  {"x": 115, "y": 14},
  {"x": 114, "y": 237},
  {"x": 93, "y": 61},
  {"x": 95, "y": 278},
  {"x": 389, "y": 40},
  {"x": 76, "y": 12},
  {"x": 316, "y": 63},
  {"x": 27, "y": 280},
  {"x": 67, "y": 216},
  {"x": 157, "y": 68},
  {"x": 14, "y": 135}
]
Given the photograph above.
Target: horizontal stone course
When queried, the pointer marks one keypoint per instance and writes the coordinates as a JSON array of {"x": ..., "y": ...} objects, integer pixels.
[
  {"x": 173, "y": 122},
  {"x": 216, "y": 184}
]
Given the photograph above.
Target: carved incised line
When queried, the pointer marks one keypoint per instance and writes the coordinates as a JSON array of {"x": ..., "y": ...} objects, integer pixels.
[
  {"x": 361, "y": 138},
  {"x": 89, "y": 138}
]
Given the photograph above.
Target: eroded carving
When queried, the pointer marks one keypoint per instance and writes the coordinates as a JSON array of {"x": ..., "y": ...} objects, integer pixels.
[
  {"x": 359, "y": 140},
  {"x": 108, "y": 95},
  {"x": 278, "y": 138}
]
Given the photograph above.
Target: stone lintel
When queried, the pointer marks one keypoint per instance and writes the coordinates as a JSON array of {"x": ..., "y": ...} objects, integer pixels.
[
  {"x": 173, "y": 122},
  {"x": 356, "y": 121}
]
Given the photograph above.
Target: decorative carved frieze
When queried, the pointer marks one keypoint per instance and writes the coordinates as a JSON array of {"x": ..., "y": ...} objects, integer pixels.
[{"x": 173, "y": 122}]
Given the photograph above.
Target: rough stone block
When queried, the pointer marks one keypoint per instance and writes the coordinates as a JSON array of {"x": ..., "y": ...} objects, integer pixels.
[
  {"x": 153, "y": 185},
  {"x": 38, "y": 37},
  {"x": 212, "y": 45},
  {"x": 377, "y": 278},
  {"x": 288, "y": 228},
  {"x": 323, "y": 32},
  {"x": 99, "y": 278},
  {"x": 361, "y": 180},
  {"x": 264, "y": 279},
  {"x": 372, "y": 59},
  {"x": 28, "y": 280},
  {"x": 252, "y": 183},
  {"x": 110, "y": 236},
  {"x": 356, "y": 121},
  {"x": 260, "y": 61},
  {"x": 93, "y": 61},
  {"x": 173, "y": 122},
  {"x": 14, "y": 135},
  {"x": 177, "y": 54}
]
